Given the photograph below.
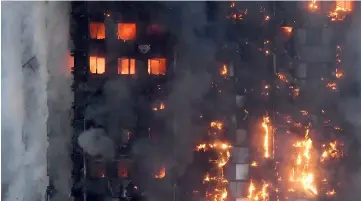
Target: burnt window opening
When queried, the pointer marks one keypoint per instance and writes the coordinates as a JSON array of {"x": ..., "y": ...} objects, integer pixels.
[
  {"x": 123, "y": 168},
  {"x": 97, "y": 169},
  {"x": 154, "y": 29},
  {"x": 127, "y": 31},
  {"x": 157, "y": 66},
  {"x": 97, "y": 30},
  {"x": 97, "y": 65},
  {"x": 126, "y": 66}
]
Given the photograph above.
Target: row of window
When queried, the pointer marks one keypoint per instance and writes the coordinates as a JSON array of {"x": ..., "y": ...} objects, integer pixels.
[
  {"x": 125, "y": 31},
  {"x": 126, "y": 66}
]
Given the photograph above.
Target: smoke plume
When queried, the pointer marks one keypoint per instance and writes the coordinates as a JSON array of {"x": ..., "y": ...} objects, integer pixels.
[
  {"x": 95, "y": 143},
  {"x": 35, "y": 45}
]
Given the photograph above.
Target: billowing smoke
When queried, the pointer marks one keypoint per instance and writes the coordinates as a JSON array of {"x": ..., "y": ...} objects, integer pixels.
[
  {"x": 96, "y": 143},
  {"x": 35, "y": 76}
]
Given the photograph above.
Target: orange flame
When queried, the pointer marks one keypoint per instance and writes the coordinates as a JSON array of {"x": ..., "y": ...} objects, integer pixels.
[
  {"x": 223, "y": 152},
  {"x": 266, "y": 145},
  {"x": 301, "y": 172},
  {"x": 313, "y": 5},
  {"x": 261, "y": 195},
  {"x": 224, "y": 70},
  {"x": 341, "y": 10},
  {"x": 338, "y": 73},
  {"x": 160, "y": 174}
]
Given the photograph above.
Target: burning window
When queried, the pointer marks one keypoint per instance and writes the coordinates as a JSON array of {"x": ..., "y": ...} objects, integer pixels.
[
  {"x": 123, "y": 168},
  {"x": 157, "y": 66},
  {"x": 127, "y": 31},
  {"x": 97, "y": 65},
  {"x": 344, "y": 5},
  {"x": 97, "y": 30},
  {"x": 126, "y": 66},
  {"x": 97, "y": 169}
]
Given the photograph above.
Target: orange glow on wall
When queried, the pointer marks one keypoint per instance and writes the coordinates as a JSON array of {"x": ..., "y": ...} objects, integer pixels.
[
  {"x": 70, "y": 62},
  {"x": 126, "y": 66},
  {"x": 157, "y": 66},
  {"x": 97, "y": 65},
  {"x": 123, "y": 168},
  {"x": 127, "y": 31},
  {"x": 97, "y": 30}
]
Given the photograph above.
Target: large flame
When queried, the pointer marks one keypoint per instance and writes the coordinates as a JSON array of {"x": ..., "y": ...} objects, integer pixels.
[
  {"x": 219, "y": 192},
  {"x": 341, "y": 10},
  {"x": 260, "y": 195},
  {"x": 266, "y": 140},
  {"x": 302, "y": 173}
]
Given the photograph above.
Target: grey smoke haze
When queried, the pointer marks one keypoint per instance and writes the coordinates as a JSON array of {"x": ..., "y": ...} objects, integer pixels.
[
  {"x": 194, "y": 55},
  {"x": 96, "y": 143},
  {"x": 351, "y": 106},
  {"x": 36, "y": 100}
]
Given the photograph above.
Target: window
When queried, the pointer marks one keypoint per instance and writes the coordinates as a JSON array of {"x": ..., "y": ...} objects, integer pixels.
[
  {"x": 123, "y": 167},
  {"x": 97, "y": 30},
  {"x": 97, "y": 169},
  {"x": 97, "y": 65},
  {"x": 126, "y": 66},
  {"x": 127, "y": 31},
  {"x": 344, "y": 5},
  {"x": 157, "y": 66}
]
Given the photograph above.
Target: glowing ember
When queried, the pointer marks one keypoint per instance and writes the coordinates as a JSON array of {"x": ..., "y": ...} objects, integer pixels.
[
  {"x": 216, "y": 124},
  {"x": 332, "y": 85},
  {"x": 331, "y": 193},
  {"x": 254, "y": 164},
  {"x": 267, "y": 18},
  {"x": 282, "y": 77},
  {"x": 287, "y": 30},
  {"x": 161, "y": 106},
  {"x": 160, "y": 174},
  {"x": 338, "y": 73},
  {"x": 224, "y": 70},
  {"x": 265, "y": 126}
]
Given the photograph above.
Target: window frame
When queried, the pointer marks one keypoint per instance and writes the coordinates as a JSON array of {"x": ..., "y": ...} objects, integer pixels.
[
  {"x": 96, "y": 66},
  {"x": 129, "y": 68},
  {"x": 127, "y": 23},
  {"x": 159, "y": 59},
  {"x": 98, "y": 24}
]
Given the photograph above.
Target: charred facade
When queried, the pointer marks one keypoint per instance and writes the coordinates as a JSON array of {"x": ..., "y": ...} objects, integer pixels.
[{"x": 231, "y": 87}]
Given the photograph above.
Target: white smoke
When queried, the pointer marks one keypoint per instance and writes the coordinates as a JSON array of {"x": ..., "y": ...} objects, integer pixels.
[
  {"x": 96, "y": 143},
  {"x": 29, "y": 31}
]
